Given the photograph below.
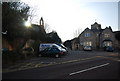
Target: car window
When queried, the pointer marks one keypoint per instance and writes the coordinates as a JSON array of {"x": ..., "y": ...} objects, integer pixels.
[
  {"x": 54, "y": 49},
  {"x": 54, "y": 46},
  {"x": 48, "y": 49}
]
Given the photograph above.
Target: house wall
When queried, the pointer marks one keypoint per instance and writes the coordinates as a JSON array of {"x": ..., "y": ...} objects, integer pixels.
[
  {"x": 96, "y": 26},
  {"x": 110, "y": 37},
  {"x": 91, "y": 38},
  {"x": 97, "y": 37},
  {"x": 75, "y": 46},
  {"x": 14, "y": 45},
  {"x": 6, "y": 44}
]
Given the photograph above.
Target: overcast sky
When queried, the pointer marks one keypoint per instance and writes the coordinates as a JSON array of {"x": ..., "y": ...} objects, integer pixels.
[{"x": 67, "y": 16}]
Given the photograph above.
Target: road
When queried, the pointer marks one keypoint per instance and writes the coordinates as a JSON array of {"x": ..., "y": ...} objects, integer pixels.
[{"x": 75, "y": 65}]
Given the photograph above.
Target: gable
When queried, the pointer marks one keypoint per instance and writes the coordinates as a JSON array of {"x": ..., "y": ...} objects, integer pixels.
[
  {"x": 107, "y": 30},
  {"x": 86, "y": 31}
]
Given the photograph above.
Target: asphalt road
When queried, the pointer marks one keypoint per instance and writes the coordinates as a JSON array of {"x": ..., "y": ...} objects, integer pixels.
[{"x": 88, "y": 65}]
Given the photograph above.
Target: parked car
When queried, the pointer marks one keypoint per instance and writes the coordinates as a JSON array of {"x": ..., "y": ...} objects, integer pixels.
[
  {"x": 109, "y": 49},
  {"x": 61, "y": 45},
  {"x": 53, "y": 51},
  {"x": 46, "y": 45},
  {"x": 87, "y": 48}
]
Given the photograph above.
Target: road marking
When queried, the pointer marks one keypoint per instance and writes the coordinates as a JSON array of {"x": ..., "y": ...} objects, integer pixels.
[
  {"x": 114, "y": 54},
  {"x": 70, "y": 61},
  {"x": 111, "y": 58},
  {"x": 88, "y": 69},
  {"x": 25, "y": 66}
]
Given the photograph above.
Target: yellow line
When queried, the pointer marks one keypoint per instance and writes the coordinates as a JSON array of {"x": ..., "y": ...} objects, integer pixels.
[
  {"x": 70, "y": 61},
  {"x": 44, "y": 65},
  {"x": 113, "y": 55},
  {"x": 111, "y": 58}
]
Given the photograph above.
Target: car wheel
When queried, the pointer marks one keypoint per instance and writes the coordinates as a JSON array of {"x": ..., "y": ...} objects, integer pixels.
[{"x": 57, "y": 55}]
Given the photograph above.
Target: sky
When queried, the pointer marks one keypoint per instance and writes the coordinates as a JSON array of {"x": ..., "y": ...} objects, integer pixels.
[{"x": 67, "y": 17}]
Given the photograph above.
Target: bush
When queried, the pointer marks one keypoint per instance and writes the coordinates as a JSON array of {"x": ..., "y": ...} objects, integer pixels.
[
  {"x": 10, "y": 57},
  {"x": 36, "y": 47}
]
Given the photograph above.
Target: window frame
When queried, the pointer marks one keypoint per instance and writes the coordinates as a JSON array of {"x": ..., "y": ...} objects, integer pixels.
[{"x": 87, "y": 34}]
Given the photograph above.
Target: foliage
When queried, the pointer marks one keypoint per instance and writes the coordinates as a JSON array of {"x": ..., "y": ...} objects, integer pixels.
[
  {"x": 14, "y": 14},
  {"x": 10, "y": 57},
  {"x": 36, "y": 47}
]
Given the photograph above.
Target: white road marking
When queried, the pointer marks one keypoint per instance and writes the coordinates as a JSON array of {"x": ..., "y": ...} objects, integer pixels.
[{"x": 88, "y": 69}]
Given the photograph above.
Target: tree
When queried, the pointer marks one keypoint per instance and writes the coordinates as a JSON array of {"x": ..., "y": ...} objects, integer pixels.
[
  {"x": 77, "y": 32},
  {"x": 14, "y": 14}
]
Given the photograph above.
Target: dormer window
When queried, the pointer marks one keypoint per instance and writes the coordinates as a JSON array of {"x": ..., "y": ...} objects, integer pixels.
[{"x": 87, "y": 34}]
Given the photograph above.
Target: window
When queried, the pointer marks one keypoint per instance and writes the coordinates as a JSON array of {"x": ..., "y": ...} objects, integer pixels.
[
  {"x": 107, "y": 43},
  {"x": 87, "y": 34},
  {"x": 97, "y": 35},
  {"x": 88, "y": 43},
  {"x": 97, "y": 27},
  {"x": 106, "y": 35},
  {"x": 55, "y": 49}
]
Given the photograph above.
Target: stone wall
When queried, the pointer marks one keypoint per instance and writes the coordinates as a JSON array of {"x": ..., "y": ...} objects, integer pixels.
[
  {"x": 91, "y": 38},
  {"x": 111, "y": 37}
]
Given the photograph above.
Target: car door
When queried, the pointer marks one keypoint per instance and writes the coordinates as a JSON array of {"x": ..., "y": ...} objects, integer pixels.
[
  {"x": 48, "y": 52},
  {"x": 54, "y": 51}
]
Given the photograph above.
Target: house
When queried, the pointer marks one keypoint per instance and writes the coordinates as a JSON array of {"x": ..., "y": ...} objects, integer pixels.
[
  {"x": 96, "y": 37},
  {"x": 75, "y": 44},
  {"x": 107, "y": 38}
]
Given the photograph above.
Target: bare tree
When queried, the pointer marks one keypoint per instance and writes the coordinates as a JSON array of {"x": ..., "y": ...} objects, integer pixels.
[
  {"x": 77, "y": 32},
  {"x": 32, "y": 14}
]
